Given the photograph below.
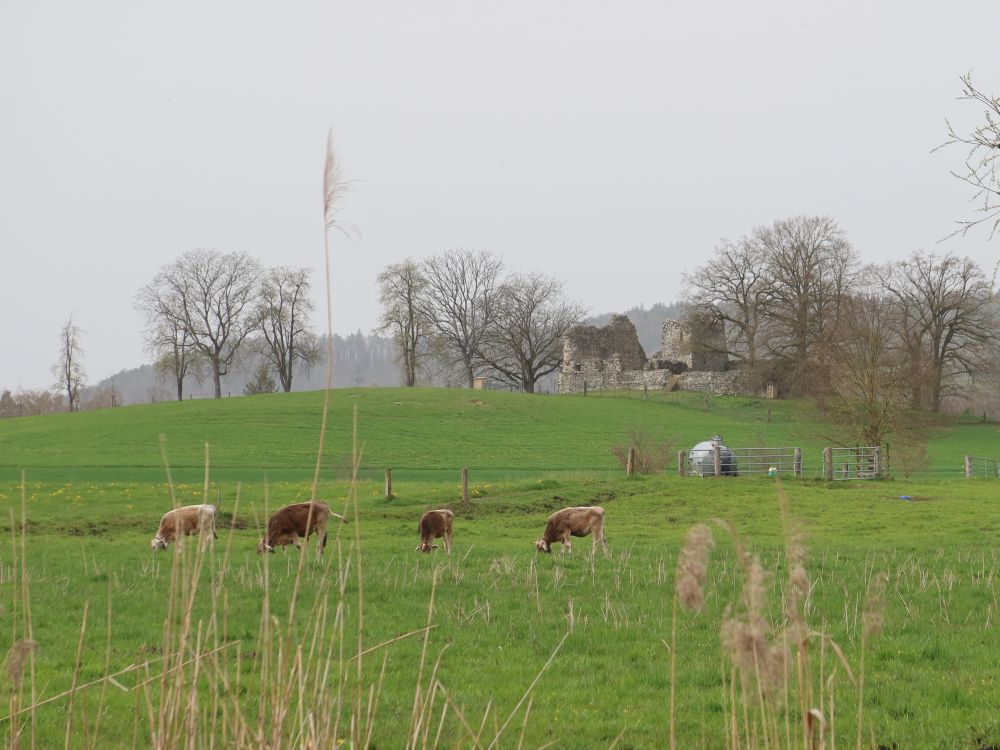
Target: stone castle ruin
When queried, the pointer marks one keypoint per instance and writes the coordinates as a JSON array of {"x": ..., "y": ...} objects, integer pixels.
[{"x": 611, "y": 358}]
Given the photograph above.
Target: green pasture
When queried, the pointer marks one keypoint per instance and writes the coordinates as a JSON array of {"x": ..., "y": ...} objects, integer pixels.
[
  {"x": 428, "y": 434},
  {"x": 95, "y": 486}
]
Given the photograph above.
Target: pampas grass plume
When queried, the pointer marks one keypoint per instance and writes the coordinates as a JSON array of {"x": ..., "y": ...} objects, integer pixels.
[{"x": 692, "y": 567}]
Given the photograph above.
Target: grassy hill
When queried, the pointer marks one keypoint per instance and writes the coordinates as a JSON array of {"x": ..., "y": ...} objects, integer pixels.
[
  {"x": 422, "y": 434},
  {"x": 101, "y": 603}
]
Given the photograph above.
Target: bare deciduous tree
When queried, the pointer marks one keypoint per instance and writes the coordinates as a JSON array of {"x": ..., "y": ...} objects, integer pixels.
[
  {"x": 982, "y": 160},
  {"x": 400, "y": 289},
  {"x": 210, "y": 296},
  {"x": 68, "y": 369},
  {"x": 460, "y": 304},
  {"x": 810, "y": 267},
  {"x": 167, "y": 337},
  {"x": 282, "y": 315},
  {"x": 733, "y": 286},
  {"x": 525, "y": 341},
  {"x": 865, "y": 366},
  {"x": 949, "y": 317}
]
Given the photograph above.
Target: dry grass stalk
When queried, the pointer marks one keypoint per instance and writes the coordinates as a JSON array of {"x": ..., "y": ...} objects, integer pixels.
[
  {"x": 873, "y": 621},
  {"x": 747, "y": 636}
]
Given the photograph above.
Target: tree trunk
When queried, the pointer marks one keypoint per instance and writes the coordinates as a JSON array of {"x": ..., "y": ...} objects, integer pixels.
[
  {"x": 409, "y": 368},
  {"x": 217, "y": 378}
]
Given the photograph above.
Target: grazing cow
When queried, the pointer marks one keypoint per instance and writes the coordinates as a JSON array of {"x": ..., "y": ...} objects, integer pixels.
[
  {"x": 297, "y": 520},
  {"x": 434, "y": 524},
  {"x": 570, "y": 522},
  {"x": 191, "y": 519}
]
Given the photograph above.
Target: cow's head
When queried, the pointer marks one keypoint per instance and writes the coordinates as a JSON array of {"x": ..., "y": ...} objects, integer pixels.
[
  {"x": 542, "y": 546},
  {"x": 426, "y": 547},
  {"x": 263, "y": 546},
  {"x": 158, "y": 543}
]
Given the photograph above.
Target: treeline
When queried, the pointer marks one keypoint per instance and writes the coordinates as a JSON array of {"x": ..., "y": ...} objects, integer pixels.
[
  {"x": 867, "y": 341},
  {"x": 207, "y": 312},
  {"x": 359, "y": 360},
  {"x": 462, "y": 314}
]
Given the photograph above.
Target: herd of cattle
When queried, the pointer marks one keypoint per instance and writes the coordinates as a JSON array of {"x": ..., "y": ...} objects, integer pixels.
[{"x": 300, "y": 520}]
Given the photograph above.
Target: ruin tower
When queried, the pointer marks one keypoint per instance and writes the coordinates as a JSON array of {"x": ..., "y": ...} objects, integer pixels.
[{"x": 700, "y": 348}]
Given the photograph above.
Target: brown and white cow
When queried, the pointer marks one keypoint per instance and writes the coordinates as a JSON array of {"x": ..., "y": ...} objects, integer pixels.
[
  {"x": 434, "y": 524},
  {"x": 191, "y": 519},
  {"x": 288, "y": 524},
  {"x": 570, "y": 522}
]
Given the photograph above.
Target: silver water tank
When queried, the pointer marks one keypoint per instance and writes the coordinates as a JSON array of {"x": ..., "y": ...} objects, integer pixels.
[{"x": 701, "y": 459}]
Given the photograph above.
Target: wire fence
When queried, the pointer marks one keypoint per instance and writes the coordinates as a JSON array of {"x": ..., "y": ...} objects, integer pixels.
[{"x": 838, "y": 464}]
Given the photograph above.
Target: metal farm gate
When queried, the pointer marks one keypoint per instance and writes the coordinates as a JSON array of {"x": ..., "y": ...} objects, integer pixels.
[
  {"x": 861, "y": 462},
  {"x": 977, "y": 466},
  {"x": 761, "y": 460}
]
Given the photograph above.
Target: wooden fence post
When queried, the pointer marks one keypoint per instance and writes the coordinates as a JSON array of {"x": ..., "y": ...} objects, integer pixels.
[
  {"x": 630, "y": 462},
  {"x": 388, "y": 484},
  {"x": 797, "y": 462},
  {"x": 465, "y": 485},
  {"x": 969, "y": 473},
  {"x": 584, "y": 387},
  {"x": 877, "y": 461},
  {"x": 717, "y": 459},
  {"x": 828, "y": 464},
  {"x": 682, "y": 463}
]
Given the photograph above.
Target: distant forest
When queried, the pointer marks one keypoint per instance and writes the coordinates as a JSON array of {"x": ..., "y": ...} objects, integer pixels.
[{"x": 358, "y": 360}]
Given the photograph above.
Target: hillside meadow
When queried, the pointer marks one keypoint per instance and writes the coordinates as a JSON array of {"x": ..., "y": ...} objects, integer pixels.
[{"x": 494, "y": 646}]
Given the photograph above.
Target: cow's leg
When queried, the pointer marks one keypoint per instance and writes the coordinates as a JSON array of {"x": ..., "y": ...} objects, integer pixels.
[{"x": 447, "y": 541}]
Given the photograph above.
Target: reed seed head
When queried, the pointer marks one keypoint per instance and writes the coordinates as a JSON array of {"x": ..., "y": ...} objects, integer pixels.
[{"x": 692, "y": 567}]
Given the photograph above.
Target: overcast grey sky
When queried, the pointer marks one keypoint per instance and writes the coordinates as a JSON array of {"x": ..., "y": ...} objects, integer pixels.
[{"x": 611, "y": 144}]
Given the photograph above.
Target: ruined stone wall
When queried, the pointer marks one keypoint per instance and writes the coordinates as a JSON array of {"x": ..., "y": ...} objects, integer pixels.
[
  {"x": 732, "y": 383},
  {"x": 572, "y": 381},
  {"x": 618, "y": 338},
  {"x": 611, "y": 358},
  {"x": 705, "y": 350}
]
